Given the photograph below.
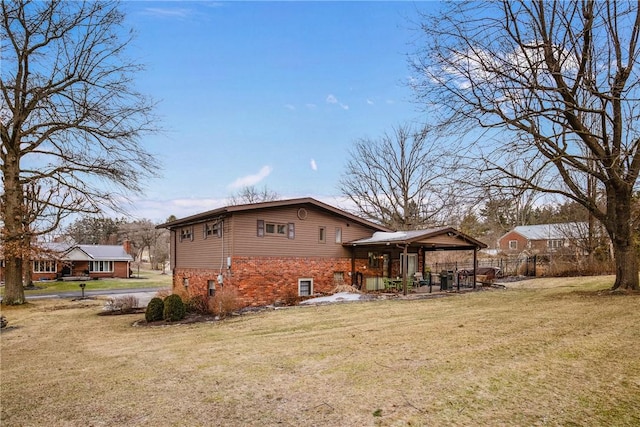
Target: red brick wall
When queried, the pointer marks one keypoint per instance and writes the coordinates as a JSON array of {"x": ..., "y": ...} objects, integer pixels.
[{"x": 265, "y": 280}]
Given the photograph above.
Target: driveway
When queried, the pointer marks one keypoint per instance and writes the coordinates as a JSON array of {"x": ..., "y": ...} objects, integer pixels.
[{"x": 144, "y": 295}]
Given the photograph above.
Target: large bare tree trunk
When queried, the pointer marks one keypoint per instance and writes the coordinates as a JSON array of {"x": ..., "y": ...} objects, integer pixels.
[
  {"x": 13, "y": 232},
  {"x": 13, "y": 290},
  {"x": 623, "y": 239},
  {"x": 626, "y": 266}
]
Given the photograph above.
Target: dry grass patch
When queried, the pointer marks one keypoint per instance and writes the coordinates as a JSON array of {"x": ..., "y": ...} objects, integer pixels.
[{"x": 541, "y": 354}]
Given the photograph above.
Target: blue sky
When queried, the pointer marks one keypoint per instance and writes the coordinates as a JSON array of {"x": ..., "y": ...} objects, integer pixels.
[{"x": 267, "y": 94}]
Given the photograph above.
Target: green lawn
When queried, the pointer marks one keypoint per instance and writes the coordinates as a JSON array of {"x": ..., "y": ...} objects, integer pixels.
[
  {"x": 147, "y": 279},
  {"x": 544, "y": 352}
]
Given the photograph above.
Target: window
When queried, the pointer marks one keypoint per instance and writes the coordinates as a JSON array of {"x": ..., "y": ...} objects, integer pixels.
[
  {"x": 322, "y": 235},
  {"x": 305, "y": 287},
  {"x": 338, "y": 235},
  {"x": 555, "y": 244},
  {"x": 45, "y": 267},
  {"x": 274, "y": 229},
  {"x": 101, "y": 266},
  {"x": 186, "y": 233},
  {"x": 374, "y": 259},
  {"x": 211, "y": 285},
  {"x": 513, "y": 244},
  {"x": 213, "y": 229}
]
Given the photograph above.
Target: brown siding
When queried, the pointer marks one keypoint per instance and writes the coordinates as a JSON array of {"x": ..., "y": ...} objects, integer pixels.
[
  {"x": 306, "y": 242},
  {"x": 208, "y": 252},
  {"x": 240, "y": 238}
]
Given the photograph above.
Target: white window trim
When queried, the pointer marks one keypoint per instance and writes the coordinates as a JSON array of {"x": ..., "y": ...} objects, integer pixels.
[
  {"x": 514, "y": 246},
  {"x": 305, "y": 279},
  {"x": 49, "y": 266},
  {"x": 110, "y": 265}
]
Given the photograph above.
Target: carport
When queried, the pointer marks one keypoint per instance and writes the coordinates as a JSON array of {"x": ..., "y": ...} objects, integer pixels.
[{"x": 403, "y": 253}]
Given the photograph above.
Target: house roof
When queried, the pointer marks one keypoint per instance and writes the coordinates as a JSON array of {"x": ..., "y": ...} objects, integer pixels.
[
  {"x": 71, "y": 252},
  {"x": 99, "y": 253},
  {"x": 551, "y": 231},
  {"x": 432, "y": 239},
  {"x": 308, "y": 201}
]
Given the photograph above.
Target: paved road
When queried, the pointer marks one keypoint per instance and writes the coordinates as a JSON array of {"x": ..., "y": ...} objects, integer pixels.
[{"x": 144, "y": 295}]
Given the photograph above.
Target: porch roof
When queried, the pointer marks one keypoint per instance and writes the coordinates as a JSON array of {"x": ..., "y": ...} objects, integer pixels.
[{"x": 432, "y": 239}]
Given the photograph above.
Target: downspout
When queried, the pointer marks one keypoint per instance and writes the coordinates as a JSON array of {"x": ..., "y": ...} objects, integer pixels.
[
  {"x": 353, "y": 266},
  {"x": 222, "y": 248}
]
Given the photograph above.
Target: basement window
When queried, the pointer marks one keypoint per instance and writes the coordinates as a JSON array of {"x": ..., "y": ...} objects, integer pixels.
[{"x": 305, "y": 287}]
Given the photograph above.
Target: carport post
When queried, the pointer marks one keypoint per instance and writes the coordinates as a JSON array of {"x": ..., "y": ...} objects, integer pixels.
[
  {"x": 405, "y": 267},
  {"x": 475, "y": 265}
]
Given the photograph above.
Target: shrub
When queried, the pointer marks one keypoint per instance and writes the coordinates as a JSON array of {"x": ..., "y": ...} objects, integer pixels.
[
  {"x": 225, "y": 301},
  {"x": 155, "y": 310},
  {"x": 291, "y": 297},
  {"x": 123, "y": 304},
  {"x": 173, "y": 308},
  {"x": 197, "y": 304}
]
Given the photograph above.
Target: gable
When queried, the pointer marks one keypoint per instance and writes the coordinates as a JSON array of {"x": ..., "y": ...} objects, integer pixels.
[{"x": 77, "y": 254}]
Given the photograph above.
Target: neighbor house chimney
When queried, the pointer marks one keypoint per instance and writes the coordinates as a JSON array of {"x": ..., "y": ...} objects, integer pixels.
[{"x": 127, "y": 246}]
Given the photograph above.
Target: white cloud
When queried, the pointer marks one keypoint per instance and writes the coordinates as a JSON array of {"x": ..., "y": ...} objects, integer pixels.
[
  {"x": 310, "y": 106},
  {"x": 168, "y": 12},
  {"x": 314, "y": 165},
  {"x": 331, "y": 99},
  {"x": 370, "y": 102},
  {"x": 289, "y": 107},
  {"x": 249, "y": 180},
  {"x": 158, "y": 210}
]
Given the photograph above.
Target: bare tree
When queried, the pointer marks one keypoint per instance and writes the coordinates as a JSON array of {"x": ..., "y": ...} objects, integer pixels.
[
  {"x": 70, "y": 120},
  {"x": 398, "y": 180},
  {"x": 557, "y": 86},
  {"x": 253, "y": 194},
  {"x": 142, "y": 234},
  {"x": 90, "y": 230}
]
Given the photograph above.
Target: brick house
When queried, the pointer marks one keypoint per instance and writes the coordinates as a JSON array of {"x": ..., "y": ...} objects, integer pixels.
[
  {"x": 542, "y": 238},
  {"x": 54, "y": 261},
  {"x": 300, "y": 247}
]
